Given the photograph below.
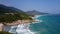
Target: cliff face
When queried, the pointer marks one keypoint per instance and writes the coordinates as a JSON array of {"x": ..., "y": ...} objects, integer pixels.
[
  {"x": 1, "y": 27},
  {"x": 19, "y": 22}
]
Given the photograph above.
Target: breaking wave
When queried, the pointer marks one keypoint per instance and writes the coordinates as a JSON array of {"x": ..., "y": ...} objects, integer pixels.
[
  {"x": 36, "y": 19},
  {"x": 21, "y": 29}
]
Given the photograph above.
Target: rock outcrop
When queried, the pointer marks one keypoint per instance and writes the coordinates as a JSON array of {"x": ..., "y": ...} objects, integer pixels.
[{"x": 1, "y": 27}]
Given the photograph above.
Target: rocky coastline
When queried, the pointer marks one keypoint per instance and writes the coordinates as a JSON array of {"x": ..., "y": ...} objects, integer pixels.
[
  {"x": 21, "y": 22},
  {"x": 15, "y": 23}
]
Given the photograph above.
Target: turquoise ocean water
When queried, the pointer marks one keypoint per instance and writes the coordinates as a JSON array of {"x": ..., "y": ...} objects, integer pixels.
[{"x": 50, "y": 25}]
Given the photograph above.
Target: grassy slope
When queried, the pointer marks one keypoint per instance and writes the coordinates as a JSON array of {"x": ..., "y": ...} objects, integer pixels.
[{"x": 17, "y": 14}]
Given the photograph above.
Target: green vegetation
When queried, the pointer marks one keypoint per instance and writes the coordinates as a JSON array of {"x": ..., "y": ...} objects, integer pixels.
[
  {"x": 3, "y": 32},
  {"x": 10, "y": 14},
  {"x": 10, "y": 18}
]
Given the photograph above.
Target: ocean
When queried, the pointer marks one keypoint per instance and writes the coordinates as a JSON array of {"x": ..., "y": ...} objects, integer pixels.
[{"x": 48, "y": 24}]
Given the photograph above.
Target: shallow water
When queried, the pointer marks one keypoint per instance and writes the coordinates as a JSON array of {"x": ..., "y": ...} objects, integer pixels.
[{"x": 50, "y": 25}]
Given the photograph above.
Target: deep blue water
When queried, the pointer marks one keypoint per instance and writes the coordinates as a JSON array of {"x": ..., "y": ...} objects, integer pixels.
[{"x": 49, "y": 25}]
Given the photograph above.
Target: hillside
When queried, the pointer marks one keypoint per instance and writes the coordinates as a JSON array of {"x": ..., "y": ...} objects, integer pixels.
[
  {"x": 34, "y": 12},
  {"x": 10, "y": 14},
  {"x": 6, "y": 9}
]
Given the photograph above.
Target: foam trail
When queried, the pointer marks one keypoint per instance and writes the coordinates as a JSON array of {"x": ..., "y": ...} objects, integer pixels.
[
  {"x": 21, "y": 29},
  {"x": 13, "y": 29},
  {"x": 36, "y": 16},
  {"x": 37, "y": 20}
]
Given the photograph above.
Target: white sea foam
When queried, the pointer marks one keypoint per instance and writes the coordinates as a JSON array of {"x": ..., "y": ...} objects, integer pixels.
[
  {"x": 12, "y": 29},
  {"x": 21, "y": 29},
  {"x": 37, "y": 20},
  {"x": 36, "y": 16}
]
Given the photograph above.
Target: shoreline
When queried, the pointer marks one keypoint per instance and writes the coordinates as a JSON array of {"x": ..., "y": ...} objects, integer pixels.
[
  {"x": 21, "y": 22},
  {"x": 24, "y": 21},
  {"x": 15, "y": 23}
]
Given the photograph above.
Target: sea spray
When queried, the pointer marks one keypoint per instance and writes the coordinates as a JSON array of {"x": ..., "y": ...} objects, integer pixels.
[
  {"x": 21, "y": 29},
  {"x": 13, "y": 29}
]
